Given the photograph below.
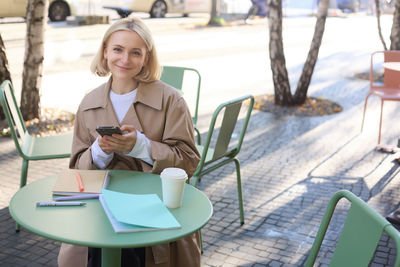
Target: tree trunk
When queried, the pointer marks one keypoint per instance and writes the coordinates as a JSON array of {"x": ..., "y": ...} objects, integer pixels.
[
  {"x": 283, "y": 95},
  {"x": 36, "y": 18},
  {"x": 214, "y": 13},
  {"x": 308, "y": 68},
  {"x": 395, "y": 33},
  {"x": 4, "y": 72},
  {"x": 378, "y": 17}
]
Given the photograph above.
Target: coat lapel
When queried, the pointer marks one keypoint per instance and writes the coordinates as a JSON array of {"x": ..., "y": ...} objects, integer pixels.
[
  {"x": 131, "y": 118},
  {"x": 100, "y": 100},
  {"x": 147, "y": 94}
]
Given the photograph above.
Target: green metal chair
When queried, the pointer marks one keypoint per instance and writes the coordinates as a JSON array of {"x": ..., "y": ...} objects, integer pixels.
[
  {"x": 221, "y": 153},
  {"x": 174, "y": 76},
  {"x": 360, "y": 235},
  {"x": 30, "y": 147}
]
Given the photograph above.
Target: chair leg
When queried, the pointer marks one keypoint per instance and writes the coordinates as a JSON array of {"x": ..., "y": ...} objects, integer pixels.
[
  {"x": 239, "y": 185},
  {"x": 24, "y": 173},
  {"x": 198, "y": 136},
  {"x": 195, "y": 181},
  {"x": 22, "y": 183},
  {"x": 201, "y": 242},
  {"x": 365, "y": 108},
  {"x": 380, "y": 124}
]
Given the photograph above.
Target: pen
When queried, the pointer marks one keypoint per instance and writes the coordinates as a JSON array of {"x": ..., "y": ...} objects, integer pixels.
[
  {"x": 80, "y": 183},
  {"x": 55, "y": 203},
  {"x": 88, "y": 196}
]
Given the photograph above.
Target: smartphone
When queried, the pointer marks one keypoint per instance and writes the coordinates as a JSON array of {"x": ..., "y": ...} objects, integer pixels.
[{"x": 108, "y": 130}]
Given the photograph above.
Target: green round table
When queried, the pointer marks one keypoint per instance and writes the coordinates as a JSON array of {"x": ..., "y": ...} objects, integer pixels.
[{"x": 89, "y": 226}]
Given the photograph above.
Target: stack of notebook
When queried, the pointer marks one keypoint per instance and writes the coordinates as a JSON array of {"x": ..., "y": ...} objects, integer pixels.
[{"x": 126, "y": 212}]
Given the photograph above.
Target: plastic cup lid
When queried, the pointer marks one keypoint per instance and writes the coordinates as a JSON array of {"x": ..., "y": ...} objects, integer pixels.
[{"x": 175, "y": 173}]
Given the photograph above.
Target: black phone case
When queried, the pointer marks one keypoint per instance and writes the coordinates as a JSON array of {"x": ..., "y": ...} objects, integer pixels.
[{"x": 108, "y": 130}]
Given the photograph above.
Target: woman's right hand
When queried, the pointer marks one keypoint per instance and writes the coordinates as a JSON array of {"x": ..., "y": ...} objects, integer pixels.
[
  {"x": 117, "y": 142},
  {"x": 104, "y": 145}
]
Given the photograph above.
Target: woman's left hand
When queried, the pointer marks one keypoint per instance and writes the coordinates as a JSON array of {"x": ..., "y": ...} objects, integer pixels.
[{"x": 124, "y": 142}]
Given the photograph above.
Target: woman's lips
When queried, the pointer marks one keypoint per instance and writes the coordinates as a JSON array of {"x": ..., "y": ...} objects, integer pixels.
[{"x": 122, "y": 68}]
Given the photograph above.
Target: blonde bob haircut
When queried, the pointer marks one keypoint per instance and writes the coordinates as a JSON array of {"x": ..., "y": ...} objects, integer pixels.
[{"x": 151, "y": 71}]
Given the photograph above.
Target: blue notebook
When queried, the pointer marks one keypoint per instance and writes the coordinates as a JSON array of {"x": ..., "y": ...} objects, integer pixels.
[{"x": 134, "y": 213}]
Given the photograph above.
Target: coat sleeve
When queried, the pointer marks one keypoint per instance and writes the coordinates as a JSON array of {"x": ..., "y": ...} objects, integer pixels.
[
  {"x": 177, "y": 147},
  {"x": 81, "y": 156}
]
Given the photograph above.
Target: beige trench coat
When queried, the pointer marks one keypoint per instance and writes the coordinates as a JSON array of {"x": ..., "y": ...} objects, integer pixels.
[{"x": 161, "y": 113}]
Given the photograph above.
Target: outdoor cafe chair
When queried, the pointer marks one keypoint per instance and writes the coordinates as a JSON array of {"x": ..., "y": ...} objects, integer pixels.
[
  {"x": 390, "y": 89},
  {"x": 174, "y": 76},
  {"x": 360, "y": 234},
  {"x": 30, "y": 147},
  {"x": 220, "y": 154}
]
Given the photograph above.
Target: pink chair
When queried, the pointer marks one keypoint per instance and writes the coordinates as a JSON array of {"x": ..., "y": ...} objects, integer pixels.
[{"x": 390, "y": 90}]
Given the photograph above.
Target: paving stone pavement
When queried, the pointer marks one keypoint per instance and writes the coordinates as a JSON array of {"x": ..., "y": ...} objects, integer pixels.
[{"x": 290, "y": 166}]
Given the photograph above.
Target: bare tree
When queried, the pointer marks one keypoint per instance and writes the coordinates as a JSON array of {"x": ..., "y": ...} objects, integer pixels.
[
  {"x": 214, "y": 14},
  {"x": 36, "y": 18},
  {"x": 395, "y": 33},
  {"x": 312, "y": 57},
  {"x": 4, "y": 72},
  {"x": 378, "y": 18},
  {"x": 283, "y": 95}
]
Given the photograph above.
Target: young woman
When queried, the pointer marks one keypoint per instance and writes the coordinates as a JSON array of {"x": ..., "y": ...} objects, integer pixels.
[{"x": 157, "y": 132}]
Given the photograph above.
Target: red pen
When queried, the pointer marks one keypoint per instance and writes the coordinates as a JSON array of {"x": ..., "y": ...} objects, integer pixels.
[{"x": 80, "y": 183}]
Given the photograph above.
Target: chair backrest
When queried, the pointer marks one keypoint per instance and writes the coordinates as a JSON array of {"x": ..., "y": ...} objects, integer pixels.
[
  {"x": 175, "y": 76},
  {"x": 360, "y": 235},
  {"x": 13, "y": 115},
  {"x": 391, "y": 78},
  {"x": 231, "y": 110}
]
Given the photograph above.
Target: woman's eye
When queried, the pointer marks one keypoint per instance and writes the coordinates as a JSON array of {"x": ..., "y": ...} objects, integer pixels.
[
  {"x": 136, "y": 53},
  {"x": 116, "y": 49}
]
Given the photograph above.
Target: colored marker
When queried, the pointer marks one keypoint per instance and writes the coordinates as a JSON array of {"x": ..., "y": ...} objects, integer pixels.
[{"x": 80, "y": 183}]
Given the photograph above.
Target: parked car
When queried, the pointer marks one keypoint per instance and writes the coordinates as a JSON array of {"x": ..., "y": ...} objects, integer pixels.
[
  {"x": 348, "y": 5},
  {"x": 158, "y": 8},
  {"x": 59, "y": 10},
  {"x": 357, "y": 5}
]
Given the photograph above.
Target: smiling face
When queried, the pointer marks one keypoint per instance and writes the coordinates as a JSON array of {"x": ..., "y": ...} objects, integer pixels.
[{"x": 126, "y": 54}]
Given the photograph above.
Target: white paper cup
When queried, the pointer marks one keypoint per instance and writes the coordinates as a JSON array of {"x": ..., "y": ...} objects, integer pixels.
[{"x": 173, "y": 183}]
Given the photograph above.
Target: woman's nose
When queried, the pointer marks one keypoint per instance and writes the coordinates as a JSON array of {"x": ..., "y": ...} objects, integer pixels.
[{"x": 125, "y": 57}]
